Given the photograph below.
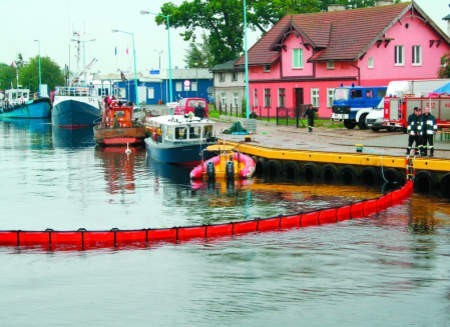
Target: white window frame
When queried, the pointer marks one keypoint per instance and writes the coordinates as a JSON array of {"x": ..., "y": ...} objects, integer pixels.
[
  {"x": 315, "y": 97},
  {"x": 297, "y": 58},
  {"x": 399, "y": 55},
  {"x": 281, "y": 97},
  {"x": 330, "y": 97},
  {"x": 178, "y": 86},
  {"x": 330, "y": 64},
  {"x": 370, "y": 62},
  {"x": 416, "y": 59},
  {"x": 194, "y": 86},
  {"x": 255, "y": 97}
]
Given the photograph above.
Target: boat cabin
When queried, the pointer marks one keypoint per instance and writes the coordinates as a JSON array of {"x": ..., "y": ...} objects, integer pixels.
[
  {"x": 117, "y": 114},
  {"x": 179, "y": 128},
  {"x": 16, "y": 96}
]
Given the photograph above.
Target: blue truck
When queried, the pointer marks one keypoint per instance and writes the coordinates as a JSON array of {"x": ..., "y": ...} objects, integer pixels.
[{"x": 352, "y": 104}]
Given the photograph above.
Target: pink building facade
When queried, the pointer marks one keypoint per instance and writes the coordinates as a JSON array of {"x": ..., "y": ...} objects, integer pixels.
[{"x": 301, "y": 62}]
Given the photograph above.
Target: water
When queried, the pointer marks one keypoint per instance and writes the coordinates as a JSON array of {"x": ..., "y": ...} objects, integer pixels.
[{"x": 391, "y": 269}]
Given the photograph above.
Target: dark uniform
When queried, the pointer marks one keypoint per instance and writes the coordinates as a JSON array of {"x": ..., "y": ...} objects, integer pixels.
[
  {"x": 310, "y": 112},
  {"x": 414, "y": 130},
  {"x": 199, "y": 111},
  {"x": 429, "y": 128}
]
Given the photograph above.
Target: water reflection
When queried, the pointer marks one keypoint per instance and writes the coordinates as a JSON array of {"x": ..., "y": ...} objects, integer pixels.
[
  {"x": 30, "y": 133},
  {"x": 119, "y": 167},
  {"x": 72, "y": 138}
]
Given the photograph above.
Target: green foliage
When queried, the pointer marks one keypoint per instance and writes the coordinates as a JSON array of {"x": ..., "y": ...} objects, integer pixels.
[
  {"x": 51, "y": 74},
  {"x": 224, "y": 21},
  {"x": 198, "y": 55},
  {"x": 444, "y": 71},
  {"x": 7, "y": 76}
]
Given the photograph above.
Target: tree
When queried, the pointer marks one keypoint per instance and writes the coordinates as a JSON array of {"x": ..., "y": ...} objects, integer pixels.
[
  {"x": 198, "y": 55},
  {"x": 444, "y": 71},
  {"x": 51, "y": 74},
  {"x": 223, "y": 20},
  {"x": 7, "y": 76}
]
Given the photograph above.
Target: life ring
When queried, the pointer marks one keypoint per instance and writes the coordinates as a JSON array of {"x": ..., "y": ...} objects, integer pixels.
[
  {"x": 311, "y": 171},
  {"x": 291, "y": 170},
  {"x": 272, "y": 169},
  {"x": 369, "y": 176},
  {"x": 329, "y": 174},
  {"x": 445, "y": 185},
  {"x": 348, "y": 175},
  {"x": 424, "y": 182},
  {"x": 393, "y": 176}
]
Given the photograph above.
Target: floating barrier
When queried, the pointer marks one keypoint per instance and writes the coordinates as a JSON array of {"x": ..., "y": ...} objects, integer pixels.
[{"x": 82, "y": 239}]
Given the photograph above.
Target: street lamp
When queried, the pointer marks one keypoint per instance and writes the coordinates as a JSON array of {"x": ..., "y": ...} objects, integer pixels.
[
  {"x": 134, "y": 63},
  {"x": 167, "y": 18},
  {"x": 39, "y": 65},
  {"x": 247, "y": 95}
]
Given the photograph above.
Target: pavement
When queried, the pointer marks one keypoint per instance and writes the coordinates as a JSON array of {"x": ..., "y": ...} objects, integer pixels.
[{"x": 327, "y": 139}]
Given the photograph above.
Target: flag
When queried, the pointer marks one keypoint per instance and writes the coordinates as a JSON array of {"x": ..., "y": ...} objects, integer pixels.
[{"x": 126, "y": 50}]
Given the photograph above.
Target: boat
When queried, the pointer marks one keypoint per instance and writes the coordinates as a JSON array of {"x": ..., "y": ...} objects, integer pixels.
[
  {"x": 178, "y": 139},
  {"x": 228, "y": 164},
  {"x": 118, "y": 126},
  {"x": 76, "y": 105},
  {"x": 18, "y": 104}
]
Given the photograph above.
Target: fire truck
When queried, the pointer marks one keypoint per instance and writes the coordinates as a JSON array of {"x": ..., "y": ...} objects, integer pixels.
[
  {"x": 352, "y": 104},
  {"x": 403, "y": 96}
]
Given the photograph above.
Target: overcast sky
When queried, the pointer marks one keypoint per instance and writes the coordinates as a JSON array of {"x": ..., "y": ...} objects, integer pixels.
[{"x": 53, "y": 22}]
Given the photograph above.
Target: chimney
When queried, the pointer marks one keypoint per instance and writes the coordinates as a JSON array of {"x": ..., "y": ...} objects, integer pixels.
[
  {"x": 447, "y": 18},
  {"x": 380, "y": 3},
  {"x": 336, "y": 7}
]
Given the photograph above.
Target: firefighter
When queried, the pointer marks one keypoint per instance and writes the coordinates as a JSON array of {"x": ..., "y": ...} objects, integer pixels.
[
  {"x": 414, "y": 130},
  {"x": 429, "y": 128},
  {"x": 310, "y": 112}
]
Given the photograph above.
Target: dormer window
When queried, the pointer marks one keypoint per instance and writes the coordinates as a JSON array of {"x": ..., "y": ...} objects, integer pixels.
[
  {"x": 266, "y": 68},
  {"x": 297, "y": 58},
  {"x": 330, "y": 64}
]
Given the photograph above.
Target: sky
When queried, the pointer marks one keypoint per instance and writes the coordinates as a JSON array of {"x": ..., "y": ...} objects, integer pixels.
[{"x": 53, "y": 22}]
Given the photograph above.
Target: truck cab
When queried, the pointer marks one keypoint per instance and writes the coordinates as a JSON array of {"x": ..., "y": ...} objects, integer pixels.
[{"x": 352, "y": 104}]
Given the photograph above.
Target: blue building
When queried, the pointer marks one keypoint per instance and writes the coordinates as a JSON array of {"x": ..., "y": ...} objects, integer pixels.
[{"x": 153, "y": 88}]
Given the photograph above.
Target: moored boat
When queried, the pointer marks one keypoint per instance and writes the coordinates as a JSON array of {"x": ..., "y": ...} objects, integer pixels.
[
  {"x": 118, "y": 126},
  {"x": 178, "y": 139},
  {"x": 18, "y": 104},
  {"x": 227, "y": 164},
  {"x": 75, "y": 107}
]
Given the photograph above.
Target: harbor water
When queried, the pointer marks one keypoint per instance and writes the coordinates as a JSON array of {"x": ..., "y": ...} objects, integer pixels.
[{"x": 389, "y": 269}]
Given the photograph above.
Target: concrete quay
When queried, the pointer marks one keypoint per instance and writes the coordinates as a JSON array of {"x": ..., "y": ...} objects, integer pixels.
[{"x": 327, "y": 139}]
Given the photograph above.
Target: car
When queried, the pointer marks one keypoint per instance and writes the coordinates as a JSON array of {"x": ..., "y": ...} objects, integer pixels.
[{"x": 188, "y": 105}]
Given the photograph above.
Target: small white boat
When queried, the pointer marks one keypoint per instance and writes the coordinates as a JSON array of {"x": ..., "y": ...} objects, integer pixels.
[{"x": 178, "y": 139}]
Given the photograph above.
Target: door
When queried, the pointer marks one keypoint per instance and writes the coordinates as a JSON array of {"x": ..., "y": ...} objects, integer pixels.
[{"x": 298, "y": 100}]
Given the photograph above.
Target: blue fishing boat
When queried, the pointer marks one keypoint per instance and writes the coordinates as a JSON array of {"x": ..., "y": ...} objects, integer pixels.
[
  {"x": 178, "y": 139},
  {"x": 17, "y": 103},
  {"x": 75, "y": 107}
]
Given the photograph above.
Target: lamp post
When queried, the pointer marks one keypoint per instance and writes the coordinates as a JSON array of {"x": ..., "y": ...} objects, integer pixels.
[
  {"x": 134, "y": 63},
  {"x": 167, "y": 18},
  {"x": 247, "y": 96},
  {"x": 39, "y": 66}
]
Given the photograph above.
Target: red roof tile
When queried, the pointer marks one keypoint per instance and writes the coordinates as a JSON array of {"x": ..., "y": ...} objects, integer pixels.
[{"x": 338, "y": 35}]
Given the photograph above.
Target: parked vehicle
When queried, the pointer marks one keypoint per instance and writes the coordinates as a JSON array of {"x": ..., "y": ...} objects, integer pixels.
[
  {"x": 188, "y": 105},
  {"x": 403, "y": 96},
  {"x": 353, "y": 103}
]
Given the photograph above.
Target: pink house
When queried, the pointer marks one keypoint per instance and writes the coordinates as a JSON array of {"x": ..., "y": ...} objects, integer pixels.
[{"x": 304, "y": 57}]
